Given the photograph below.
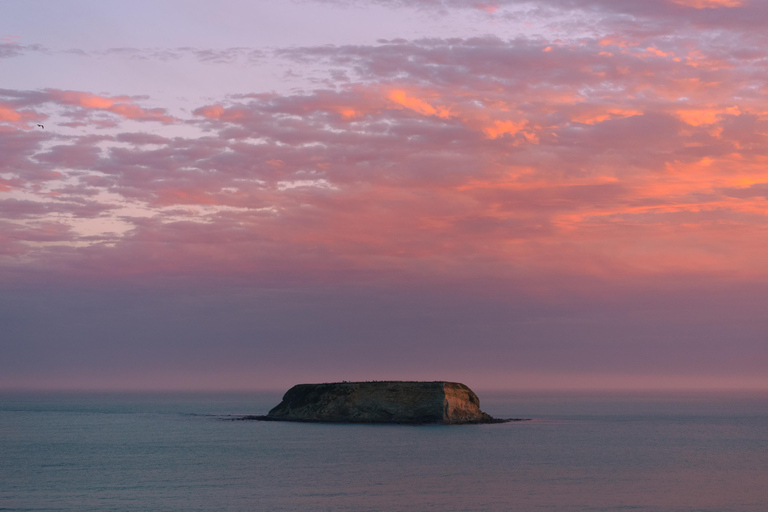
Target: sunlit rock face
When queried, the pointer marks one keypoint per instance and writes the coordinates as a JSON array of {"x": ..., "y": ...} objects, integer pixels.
[{"x": 382, "y": 402}]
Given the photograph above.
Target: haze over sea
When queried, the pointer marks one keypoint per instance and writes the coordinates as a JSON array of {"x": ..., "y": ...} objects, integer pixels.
[{"x": 581, "y": 452}]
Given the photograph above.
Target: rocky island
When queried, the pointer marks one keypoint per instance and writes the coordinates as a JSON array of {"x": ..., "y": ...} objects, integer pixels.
[{"x": 408, "y": 402}]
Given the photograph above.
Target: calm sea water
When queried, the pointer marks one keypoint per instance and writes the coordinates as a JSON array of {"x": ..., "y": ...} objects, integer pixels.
[{"x": 173, "y": 452}]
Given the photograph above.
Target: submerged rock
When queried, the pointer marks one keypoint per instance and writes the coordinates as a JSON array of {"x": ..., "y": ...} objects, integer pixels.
[{"x": 446, "y": 403}]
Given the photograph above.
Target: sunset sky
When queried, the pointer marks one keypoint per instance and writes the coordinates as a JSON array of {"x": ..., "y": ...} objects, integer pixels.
[{"x": 514, "y": 195}]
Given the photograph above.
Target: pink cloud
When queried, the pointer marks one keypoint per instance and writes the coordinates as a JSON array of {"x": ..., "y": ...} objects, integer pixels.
[
  {"x": 489, "y": 8},
  {"x": 7, "y": 114},
  {"x": 211, "y": 111},
  {"x": 120, "y": 105},
  {"x": 24, "y": 118}
]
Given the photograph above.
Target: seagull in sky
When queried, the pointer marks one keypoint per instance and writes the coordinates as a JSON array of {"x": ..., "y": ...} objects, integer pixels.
[{"x": 41, "y": 126}]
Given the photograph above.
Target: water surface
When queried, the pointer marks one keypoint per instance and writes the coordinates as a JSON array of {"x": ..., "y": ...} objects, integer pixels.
[{"x": 581, "y": 452}]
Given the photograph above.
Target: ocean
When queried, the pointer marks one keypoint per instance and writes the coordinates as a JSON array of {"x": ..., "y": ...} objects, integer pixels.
[{"x": 580, "y": 452}]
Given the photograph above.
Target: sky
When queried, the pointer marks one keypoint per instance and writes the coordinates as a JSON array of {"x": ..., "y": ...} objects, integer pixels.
[{"x": 559, "y": 194}]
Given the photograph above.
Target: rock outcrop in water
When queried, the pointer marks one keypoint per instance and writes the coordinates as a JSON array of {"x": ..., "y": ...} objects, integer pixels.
[{"x": 446, "y": 403}]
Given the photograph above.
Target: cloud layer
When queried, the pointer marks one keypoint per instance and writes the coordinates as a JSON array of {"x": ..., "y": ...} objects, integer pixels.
[{"x": 472, "y": 156}]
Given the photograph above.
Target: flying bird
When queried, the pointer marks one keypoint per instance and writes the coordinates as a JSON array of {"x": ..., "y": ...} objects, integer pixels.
[{"x": 41, "y": 126}]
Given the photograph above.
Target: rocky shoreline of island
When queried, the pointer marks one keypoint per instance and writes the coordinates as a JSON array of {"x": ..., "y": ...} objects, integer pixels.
[{"x": 390, "y": 402}]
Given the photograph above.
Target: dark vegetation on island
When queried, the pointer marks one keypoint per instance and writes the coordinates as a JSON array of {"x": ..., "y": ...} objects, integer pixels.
[{"x": 394, "y": 402}]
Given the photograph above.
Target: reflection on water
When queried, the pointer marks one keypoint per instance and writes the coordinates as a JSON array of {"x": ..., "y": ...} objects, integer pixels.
[{"x": 582, "y": 452}]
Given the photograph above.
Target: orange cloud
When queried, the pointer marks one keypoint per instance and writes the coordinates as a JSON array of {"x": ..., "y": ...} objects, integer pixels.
[
  {"x": 593, "y": 117},
  {"x": 499, "y": 128},
  {"x": 698, "y": 117},
  {"x": 219, "y": 112},
  {"x": 210, "y": 111},
  {"x": 422, "y": 107},
  {"x": 120, "y": 105},
  {"x": 702, "y": 116},
  {"x": 87, "y": 100},
  {"x": 11, "y": 115},
  {"x": 346, "y": 112},
  {"x": 615, "y": 40},
  {"x": 657, "y": 52},
  {"x": 700, "y": 60},
  {"x": 709, "y": 4},
  {"x": 130, "y": 111},
  {"x": 7, "y": 114}
]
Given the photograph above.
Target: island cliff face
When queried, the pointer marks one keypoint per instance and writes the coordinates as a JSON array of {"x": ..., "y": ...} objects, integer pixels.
[{"x": 381, "y": 402}]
